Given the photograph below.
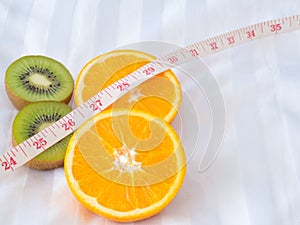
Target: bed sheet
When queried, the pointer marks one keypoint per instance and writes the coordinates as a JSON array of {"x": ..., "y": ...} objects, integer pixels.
[{"x": 252, "y": 179}]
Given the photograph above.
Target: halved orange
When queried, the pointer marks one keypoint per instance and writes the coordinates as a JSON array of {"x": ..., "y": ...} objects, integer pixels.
[
  {"x": 125, "y": 165},
  {"x": 159, "y": 96}
]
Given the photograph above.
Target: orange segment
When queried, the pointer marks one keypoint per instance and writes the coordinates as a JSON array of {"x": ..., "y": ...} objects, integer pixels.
[
  {"x": 119, "y": 178},
  {"x": 160, "y": 96}
]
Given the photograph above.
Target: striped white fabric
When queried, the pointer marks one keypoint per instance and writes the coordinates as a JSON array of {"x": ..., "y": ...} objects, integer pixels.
[{"x": 255, "y": 179}]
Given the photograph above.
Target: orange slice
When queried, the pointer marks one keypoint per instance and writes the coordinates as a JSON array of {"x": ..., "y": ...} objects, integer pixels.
[
  {"x": 125, "y": 166},
  {"x": 159, "y": 96}
]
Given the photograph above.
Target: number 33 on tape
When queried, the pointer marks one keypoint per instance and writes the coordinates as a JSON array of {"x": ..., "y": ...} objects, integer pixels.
[{"x": 25, "y": 151}]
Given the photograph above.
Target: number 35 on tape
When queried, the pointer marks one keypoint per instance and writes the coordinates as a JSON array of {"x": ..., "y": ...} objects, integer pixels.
[{"x": 38, "y": 143}]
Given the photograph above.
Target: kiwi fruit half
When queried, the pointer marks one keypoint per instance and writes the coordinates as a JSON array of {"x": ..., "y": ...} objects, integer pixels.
[
  {"x": 36, "y": 78},
  {"x": 33, "y": 118}
]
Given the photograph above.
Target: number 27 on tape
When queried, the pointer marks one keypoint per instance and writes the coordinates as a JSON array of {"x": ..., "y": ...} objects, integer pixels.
[{"x": 96, "y": 105}]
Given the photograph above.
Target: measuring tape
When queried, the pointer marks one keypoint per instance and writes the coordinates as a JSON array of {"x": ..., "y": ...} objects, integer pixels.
[{"x": 38, "y": 143}]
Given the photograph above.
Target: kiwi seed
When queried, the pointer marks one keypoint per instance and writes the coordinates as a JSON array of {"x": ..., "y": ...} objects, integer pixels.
[
  {"x": 33, "y": 118},
  {"x": 38, "y": 78}
]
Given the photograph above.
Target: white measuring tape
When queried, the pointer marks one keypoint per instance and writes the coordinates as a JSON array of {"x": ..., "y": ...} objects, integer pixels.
[{"x": 33, "y": 146}]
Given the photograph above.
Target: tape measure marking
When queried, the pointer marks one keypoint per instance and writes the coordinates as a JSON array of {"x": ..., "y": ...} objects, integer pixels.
[{"x": 36, "y": 144}]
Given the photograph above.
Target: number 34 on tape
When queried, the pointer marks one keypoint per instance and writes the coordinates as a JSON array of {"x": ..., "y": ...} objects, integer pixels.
[{"x": 38, "y": 143}]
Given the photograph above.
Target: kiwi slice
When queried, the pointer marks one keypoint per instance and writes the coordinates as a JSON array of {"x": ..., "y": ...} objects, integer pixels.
[
  {"x": 38, "y": 78},
  {"x": 33, "y": 118}
]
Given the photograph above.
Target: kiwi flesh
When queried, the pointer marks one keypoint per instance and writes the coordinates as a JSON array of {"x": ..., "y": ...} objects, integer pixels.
[
  {"x": 36, "y": 78},
  {"x": 33, "y": 118}
]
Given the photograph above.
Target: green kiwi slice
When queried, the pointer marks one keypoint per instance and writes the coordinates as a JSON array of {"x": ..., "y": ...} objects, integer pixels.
[
  {"x": 38, "y": 78},
  {"x": 33, "y": 118}
]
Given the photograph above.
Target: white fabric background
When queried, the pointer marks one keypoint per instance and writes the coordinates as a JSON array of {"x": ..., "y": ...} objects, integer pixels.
[{"x": 255, "y": 179}]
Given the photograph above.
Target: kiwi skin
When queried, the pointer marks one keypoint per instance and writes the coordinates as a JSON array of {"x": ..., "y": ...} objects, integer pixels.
[{"x": 18, "y": 101}]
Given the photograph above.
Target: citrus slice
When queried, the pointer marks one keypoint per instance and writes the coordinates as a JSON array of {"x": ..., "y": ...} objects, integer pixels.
[
  {"x": 125, "y": 166},
  {"x": 159, "y": 96}
]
